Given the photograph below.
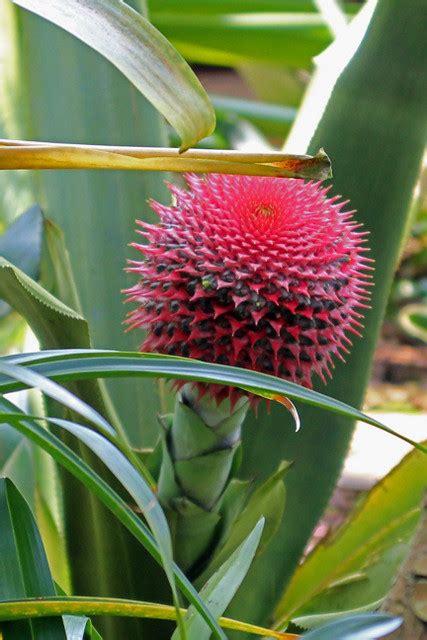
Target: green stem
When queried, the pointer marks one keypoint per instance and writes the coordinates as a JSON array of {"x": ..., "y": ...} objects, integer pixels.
[{"x": 199, "y": 447}]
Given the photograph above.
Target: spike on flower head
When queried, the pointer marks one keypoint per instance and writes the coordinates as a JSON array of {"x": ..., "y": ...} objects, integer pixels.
[{"x": 262, "y": 273}]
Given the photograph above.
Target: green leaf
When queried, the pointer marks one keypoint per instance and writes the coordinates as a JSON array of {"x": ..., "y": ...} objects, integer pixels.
[
  {"x": 221, "y": 587},
  {"x": 241, "y": 6},
  {"x": 231, "y": 39},
  {"x": 142, "y": 54},
  {"x": 83, "y": 472},
  {"x": 95, "y": 103},
  {"x": 135, "y": 485},
  {"x": 16, "y": 609},
  {"x": 267, "y": 501},
  {"x": 58, "y": 393},
  {"x": 375, "y": 112},
  {"x": 356, "y": 566},
  {"x": 114, "y": 460},
  {"x": 270, "y": 118},
  {"x": 21, "y": 244},
  {"x": 369, "y": 626},
  {"x": 25, "y": 572},
  {"x": 75, "y": 364},
  {"x": 54, "y": 324}
]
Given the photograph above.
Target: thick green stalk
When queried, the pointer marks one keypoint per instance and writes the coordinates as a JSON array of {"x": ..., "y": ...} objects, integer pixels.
[
  {"x": 199, "y": 446},
  {"x": 374, "y": 129}
]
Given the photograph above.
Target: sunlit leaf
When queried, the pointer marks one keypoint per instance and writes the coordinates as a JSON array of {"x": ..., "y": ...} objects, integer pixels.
[
  {"x": 356, "y": 566},
  {"x": 221, "y": 587},
  {"x": 141, "y": 53},
  {"x": 370, "y": 626}
]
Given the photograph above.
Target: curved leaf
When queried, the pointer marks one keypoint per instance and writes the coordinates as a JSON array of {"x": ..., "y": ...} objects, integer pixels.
[
  {"x": 25, "y": 571},
  {"x": 83, "y": 472},
  {"x": 221, "y": 587},
  {"x": 141, "y": 53},
  {"x": 78, "y": 605},
  {"x": 369, "y": 626},
  {"x": 96, "y": 363},
  {"x": 356, "y": 566},
  {"x": 58, "y": 393}
]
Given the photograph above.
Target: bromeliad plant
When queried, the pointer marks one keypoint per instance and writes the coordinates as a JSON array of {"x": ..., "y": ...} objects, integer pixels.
[
  {"x": 248, "y": 286},
  {"x": 258, "y": 273}
]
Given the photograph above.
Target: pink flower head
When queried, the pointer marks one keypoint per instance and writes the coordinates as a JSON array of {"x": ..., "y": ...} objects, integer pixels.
[{"x": 261, "y": 273}]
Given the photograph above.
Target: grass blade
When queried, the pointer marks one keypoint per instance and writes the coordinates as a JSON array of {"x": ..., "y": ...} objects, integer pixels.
[
  {"x": 78, "y": 364},
  {"x": 83, "y": 472}
]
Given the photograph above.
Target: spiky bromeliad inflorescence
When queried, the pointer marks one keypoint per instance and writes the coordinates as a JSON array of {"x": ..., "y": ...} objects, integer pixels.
[{"x": 261, "y": 273}]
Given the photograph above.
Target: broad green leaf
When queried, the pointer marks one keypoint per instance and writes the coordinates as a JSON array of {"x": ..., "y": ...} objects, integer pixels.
[
  {"x": 232, "y": 39},
  {"x": 68, "y": 365},
  {"x": 94, "y": 606},
  {"x": 54, "y": 324},
  {"x": 83, "y": 472},
  {"x": 141, "y": 53},
  {"x": 356, "y": 566},
  {"x": 370, "y": 626},
  {"x": 56, "y": 273},
  {"x": 221, "y": 587},
  {"x": 21, "y": 243},
  {"x": 25, "y": 572},
  {"x": 241, "y": 6},
  {"x": 375, "y": 109},
  {"x": 268, "y": 502}
]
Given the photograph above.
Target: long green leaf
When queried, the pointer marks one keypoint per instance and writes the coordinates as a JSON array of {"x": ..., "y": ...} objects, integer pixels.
[
  {"x": 376, "y": 113},
  {"x": 241, "y": 6},
  {"x": 83, "y": 472},
  {"x": 221, "y": 587},
  {"x": 362, "y": 627},
  {"x": 114, "y": 460},
  {"x": 356, "y": 566},
  {"x": 233, "y": 39},
  {"x": 24, "y": 569},
  {"x": 79, "y": 364},
  {"x": 17, "y": 609},
  {"x": 141, "y": 53},
  {"x": 58, "y": 393}
]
